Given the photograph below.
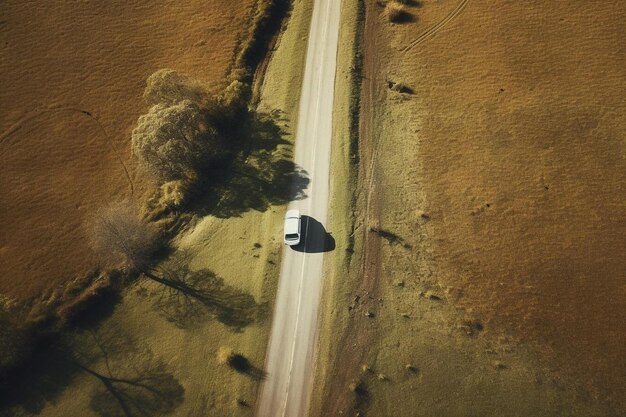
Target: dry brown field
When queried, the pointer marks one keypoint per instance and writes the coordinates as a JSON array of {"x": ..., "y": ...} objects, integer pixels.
[
  {"x": 72, "y": 76},
  {"x": 498, "y": 180}
]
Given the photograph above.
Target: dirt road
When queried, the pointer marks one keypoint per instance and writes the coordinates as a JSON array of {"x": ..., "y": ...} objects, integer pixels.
[{"x": 289, "y": 362}]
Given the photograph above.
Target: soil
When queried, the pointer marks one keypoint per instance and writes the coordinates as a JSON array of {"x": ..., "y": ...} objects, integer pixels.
[
  {"x": 73, "y": 75},
  {"x": 497, "y": 178}
]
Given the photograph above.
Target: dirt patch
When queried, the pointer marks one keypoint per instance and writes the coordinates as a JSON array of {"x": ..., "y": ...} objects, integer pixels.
[{"x": 73, "y": 76}]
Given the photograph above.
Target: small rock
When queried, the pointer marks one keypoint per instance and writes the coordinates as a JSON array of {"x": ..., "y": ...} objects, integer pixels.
[
  {"x": 400, "y": 283},
  {"x": 242, "y": 402},
  {"x": 499, "y": 365},
  {"x": 365, "y": 368},
  {"x": 381, "y": 377},
  {"x": 406, "y": 315},
  {"x": 369, "y": 314}
]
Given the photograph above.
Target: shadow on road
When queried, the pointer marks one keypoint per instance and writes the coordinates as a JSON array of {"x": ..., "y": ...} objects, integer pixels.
[{"x": 314, "y": 239}]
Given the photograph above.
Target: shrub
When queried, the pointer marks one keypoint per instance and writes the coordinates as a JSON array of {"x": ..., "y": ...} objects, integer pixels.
[
  {"x": 396, "y": 13},
  {"x": 232, "y": 103},
  {"x": 167, "y": 86},
  {"x": 224, "y": 354},
  {"x": 173, "y": 194}
]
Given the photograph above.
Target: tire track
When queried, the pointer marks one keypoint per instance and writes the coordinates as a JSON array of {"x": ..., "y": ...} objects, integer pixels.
[{"x": 436, "y": 28}]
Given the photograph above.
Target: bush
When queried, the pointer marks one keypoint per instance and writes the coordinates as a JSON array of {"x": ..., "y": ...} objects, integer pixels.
[
  {"x": 396, "y": 13},
  {"x": 167, "y": 86},
  {"x": 232, "y": 104}
]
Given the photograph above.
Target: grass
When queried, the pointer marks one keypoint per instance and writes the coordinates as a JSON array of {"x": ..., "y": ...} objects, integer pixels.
[{"x": 448, "y": 338}]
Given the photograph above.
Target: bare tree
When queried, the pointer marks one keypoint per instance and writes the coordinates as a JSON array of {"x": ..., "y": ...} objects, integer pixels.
[{"x": 122, "y": 238}]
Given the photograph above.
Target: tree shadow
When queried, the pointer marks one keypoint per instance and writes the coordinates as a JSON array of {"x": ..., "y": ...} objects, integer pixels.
[
  {"x": 146, "y": 392},
  {"x": 39, "y": 380},
  {"x": 132, "y": 382},
  {"x": 403, "y": 16},
  {"x": 95, "y": 309},
  {"x": 362, "y": 397},
  {"x": 391, "y": 237},
  {"x": 191, "y": 297},
  {"x": 242, "y": 365},
  {"x": 314, "y": 238},
  {"x": 260, "y": 174},
  {"x": 413, "y": 3}
]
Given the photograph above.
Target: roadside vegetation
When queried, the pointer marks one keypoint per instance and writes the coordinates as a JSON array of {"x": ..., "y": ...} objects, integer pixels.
[{"x": 208, "y": 154}]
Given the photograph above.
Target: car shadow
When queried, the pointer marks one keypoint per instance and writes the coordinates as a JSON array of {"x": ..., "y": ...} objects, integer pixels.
[{"x": 314, "y": 237}]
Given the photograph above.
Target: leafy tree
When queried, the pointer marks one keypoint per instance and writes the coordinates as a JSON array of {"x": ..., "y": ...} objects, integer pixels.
[{"x": 174, "y": 142}]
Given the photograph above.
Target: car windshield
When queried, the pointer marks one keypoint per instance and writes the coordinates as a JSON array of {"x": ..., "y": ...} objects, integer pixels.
[{"x": 291, "y": 236}]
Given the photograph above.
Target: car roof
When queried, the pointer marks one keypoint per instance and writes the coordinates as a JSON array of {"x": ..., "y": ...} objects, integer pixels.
[
  {"x": 292, "y": 213},
  {"x": 291, "y": 226}
]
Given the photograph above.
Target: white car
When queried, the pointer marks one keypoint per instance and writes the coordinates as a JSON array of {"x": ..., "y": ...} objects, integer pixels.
[{"x": 292, "y": 227}]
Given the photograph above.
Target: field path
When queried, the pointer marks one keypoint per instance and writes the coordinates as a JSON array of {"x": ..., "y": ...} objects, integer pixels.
[
  {"x": 437, "y": 27},
  {"x": 291, "y": 352}
]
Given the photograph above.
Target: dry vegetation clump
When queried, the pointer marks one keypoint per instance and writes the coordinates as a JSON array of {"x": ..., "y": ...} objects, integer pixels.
[
  {"x": 397, "y": 13},
  {"x": 224, "y": 354},
  {"x": 358, "y": 388},
  {"x": 170, "y": 196},
  {"x": 234, "y": 360},
  {"x": 400, "y": 87},
  {"x": 167, "y": 86}
]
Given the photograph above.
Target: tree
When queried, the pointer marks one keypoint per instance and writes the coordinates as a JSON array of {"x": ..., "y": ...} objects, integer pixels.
[
  {"x": 174, "y": 142},
  {"x": 167, "y": 86},
  {"x": 121, "y": 238}
]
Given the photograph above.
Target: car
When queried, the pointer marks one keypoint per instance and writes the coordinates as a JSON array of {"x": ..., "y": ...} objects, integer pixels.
[{"x": 292, "y": 227}]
